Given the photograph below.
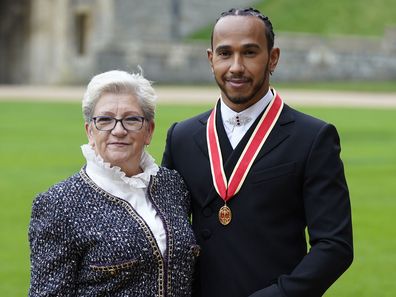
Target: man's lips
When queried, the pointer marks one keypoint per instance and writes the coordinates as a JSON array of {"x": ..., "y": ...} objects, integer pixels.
[{"x": 237, "y": 82}]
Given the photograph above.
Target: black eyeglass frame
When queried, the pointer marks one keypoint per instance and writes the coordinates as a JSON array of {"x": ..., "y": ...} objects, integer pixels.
[{"x": 141, "y": 118}]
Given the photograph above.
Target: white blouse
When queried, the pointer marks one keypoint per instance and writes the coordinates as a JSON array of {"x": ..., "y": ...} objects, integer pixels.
[{"x": 132, "y": 189}]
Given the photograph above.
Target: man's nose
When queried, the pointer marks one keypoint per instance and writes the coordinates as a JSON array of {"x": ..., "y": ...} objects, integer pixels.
[{"x": 237, "y": 64}]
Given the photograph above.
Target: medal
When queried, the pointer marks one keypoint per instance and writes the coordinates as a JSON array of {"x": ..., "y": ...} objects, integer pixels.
[
  {"x": 227, "y": 189},
  {"x": 225, "y": 215}
]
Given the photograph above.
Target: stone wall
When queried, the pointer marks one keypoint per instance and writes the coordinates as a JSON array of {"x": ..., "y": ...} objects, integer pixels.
[
  {"x": 201, "y": 13},
  {"x": 308, "y": 57},
  {"x": 304, "y": 57},
  {"x": 69, "y": 41}
]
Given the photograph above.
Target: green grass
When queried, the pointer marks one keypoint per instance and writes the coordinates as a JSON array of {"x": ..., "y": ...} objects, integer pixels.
[
  {"x": 358, "y": 86},
  {"x": 40, "y": 146},
  {"x": 352, "y": 17}
]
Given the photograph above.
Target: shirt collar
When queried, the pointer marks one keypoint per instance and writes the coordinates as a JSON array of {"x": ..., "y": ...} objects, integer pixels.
[{"x": 247, "y": 115}]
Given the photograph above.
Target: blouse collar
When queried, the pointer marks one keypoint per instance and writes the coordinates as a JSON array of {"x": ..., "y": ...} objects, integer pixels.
[{"x": 105, "y": 170}]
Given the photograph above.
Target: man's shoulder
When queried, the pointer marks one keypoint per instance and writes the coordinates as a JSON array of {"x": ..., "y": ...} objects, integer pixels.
[
  {"x": 302, "y": 117},
  {"x": 200, "y": 118},
  {"x": 193, "y": 122}
]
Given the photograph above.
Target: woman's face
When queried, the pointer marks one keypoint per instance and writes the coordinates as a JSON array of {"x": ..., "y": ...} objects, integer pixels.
[{"x": 119, "y": 147}]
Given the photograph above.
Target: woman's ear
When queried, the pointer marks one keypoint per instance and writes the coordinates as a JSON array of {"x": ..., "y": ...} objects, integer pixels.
[
  {"x": 89, "y": 132},
  {"x": 150, "y": 132}
]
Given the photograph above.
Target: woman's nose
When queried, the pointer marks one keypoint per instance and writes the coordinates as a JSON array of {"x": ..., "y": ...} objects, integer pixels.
[{"x": 119, "y": 129}]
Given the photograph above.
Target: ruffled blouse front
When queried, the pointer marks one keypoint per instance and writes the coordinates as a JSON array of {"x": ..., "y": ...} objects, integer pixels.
[{"x": 132, "y": 189}]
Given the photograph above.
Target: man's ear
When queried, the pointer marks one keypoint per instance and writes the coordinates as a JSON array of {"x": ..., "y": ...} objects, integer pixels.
[
  {"x": 274, "y": 58},
  {"x": 209, "y": 52}
]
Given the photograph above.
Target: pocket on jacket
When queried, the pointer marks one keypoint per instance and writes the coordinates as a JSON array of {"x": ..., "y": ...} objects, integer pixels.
[
  {"x": 273, "y": 172},
  {"x": 113, "y": 269}
]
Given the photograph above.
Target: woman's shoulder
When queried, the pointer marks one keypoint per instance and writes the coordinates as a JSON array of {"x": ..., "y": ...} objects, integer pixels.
[
  {"x": 60, "y": 192},
  {"x": 168, "y": 175},
  {"x": 169, "y": 180},
  {"x": 169, "y": 186}
]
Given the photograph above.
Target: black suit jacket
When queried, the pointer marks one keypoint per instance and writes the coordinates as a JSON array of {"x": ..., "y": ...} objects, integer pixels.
[{"x": 296, "y": 182}]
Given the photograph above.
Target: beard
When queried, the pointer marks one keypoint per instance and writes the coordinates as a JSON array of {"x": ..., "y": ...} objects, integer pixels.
[{"x": 244, "y": 98}]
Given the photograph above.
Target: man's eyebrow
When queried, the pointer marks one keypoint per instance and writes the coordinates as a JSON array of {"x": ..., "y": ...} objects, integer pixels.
[
  {"x": 222, "y": 47},
  {"x": 245, "y": 46},
  {"x": 251, "y": 45}
]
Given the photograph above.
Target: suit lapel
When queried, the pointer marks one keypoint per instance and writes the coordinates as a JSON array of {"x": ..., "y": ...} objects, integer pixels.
[
  {"x": 201, "y": 141},
  {"x": 200, "y": 135},
  {"x": 227, "y": 151},
  {"x": 278, "y": 133}
]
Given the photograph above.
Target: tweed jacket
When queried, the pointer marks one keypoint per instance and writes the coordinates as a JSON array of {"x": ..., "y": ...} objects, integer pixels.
[{"x": 86, "y": 242}]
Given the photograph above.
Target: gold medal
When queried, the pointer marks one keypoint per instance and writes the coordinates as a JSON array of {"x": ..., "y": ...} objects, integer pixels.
[{"x": 225, "y": 215}]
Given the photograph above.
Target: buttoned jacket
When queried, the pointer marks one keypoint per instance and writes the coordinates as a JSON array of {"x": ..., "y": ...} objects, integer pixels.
[{"x": 296, "y": 182}]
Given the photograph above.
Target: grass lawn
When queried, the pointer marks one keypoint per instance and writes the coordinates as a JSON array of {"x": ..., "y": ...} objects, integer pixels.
[
  {"x": 356, "y": 86},
  {"x": 40, "y": 146},
  {"x": 335, "y": 85}
]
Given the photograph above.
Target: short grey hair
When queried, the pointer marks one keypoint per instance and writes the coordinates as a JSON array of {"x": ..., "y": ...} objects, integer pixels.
[{"x": 120, "y": 82}]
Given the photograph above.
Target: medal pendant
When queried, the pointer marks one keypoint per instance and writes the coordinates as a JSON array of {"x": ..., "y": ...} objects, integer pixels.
[{"x": 225, "y": 215}]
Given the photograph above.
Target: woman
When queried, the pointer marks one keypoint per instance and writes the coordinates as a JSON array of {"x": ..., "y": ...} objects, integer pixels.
[{"x": 120, "y": 226}]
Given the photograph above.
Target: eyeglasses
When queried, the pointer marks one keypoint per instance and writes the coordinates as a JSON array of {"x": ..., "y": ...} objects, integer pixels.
[{"x": 107, "y": 123}]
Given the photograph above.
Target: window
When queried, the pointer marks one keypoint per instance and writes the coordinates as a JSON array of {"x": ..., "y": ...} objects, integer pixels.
[{"x": 81, "y": 24}]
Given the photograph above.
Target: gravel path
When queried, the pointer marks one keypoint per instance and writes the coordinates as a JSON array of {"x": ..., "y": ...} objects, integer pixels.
[{"x": 200, "y": 94}]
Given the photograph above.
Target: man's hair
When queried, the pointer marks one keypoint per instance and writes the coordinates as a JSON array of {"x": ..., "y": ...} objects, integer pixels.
[{"x": 269, "y": 32}]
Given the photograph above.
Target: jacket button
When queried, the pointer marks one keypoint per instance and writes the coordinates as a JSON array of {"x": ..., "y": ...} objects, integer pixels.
[
  {"x": 206, "y": 233},
  {"x": 207, "y": 211},
  {"x": 196, "y": 249}
]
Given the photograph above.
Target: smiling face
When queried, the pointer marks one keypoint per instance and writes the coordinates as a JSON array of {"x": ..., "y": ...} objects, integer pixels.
[
  {"x": 119, "y": 147},
  {"x": 240, "y": 60}
]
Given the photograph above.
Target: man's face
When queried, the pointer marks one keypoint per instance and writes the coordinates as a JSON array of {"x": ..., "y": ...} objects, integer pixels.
[{"x": 240, "y": 60}]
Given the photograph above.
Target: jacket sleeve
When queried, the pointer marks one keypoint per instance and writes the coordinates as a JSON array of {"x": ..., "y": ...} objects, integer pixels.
[
  {"x": 167, "y": 159},
  {"x": 328, "y": 216},
  {"x": 53, "y": 257}
]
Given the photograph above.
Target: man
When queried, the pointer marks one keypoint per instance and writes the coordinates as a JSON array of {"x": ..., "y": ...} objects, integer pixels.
[{"x": 260, "y": 173}]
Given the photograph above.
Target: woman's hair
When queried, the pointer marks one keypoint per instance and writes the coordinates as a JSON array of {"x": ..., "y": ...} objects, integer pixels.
[{"x": 120, "y": 82}]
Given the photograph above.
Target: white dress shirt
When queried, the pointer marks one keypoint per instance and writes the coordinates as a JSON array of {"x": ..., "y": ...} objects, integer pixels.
[
  {"x": 132, "y": 189},
  {"x": 237, "y": 123}
]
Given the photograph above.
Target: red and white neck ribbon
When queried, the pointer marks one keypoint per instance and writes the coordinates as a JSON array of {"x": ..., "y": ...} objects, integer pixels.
[{"x": 225, "y": 189}]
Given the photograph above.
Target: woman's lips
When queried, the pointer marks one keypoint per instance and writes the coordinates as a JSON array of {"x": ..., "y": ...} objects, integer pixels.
[{"x": 118, "y": 143}]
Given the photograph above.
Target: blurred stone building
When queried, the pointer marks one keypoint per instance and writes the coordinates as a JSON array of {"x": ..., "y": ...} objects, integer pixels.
[
  {"x": 69, "y": 41},
  {"x": 66, "y": 41}
]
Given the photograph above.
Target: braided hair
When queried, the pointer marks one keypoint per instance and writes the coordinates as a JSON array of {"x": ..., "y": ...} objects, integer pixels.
[{"x": 250, "y": 12}]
